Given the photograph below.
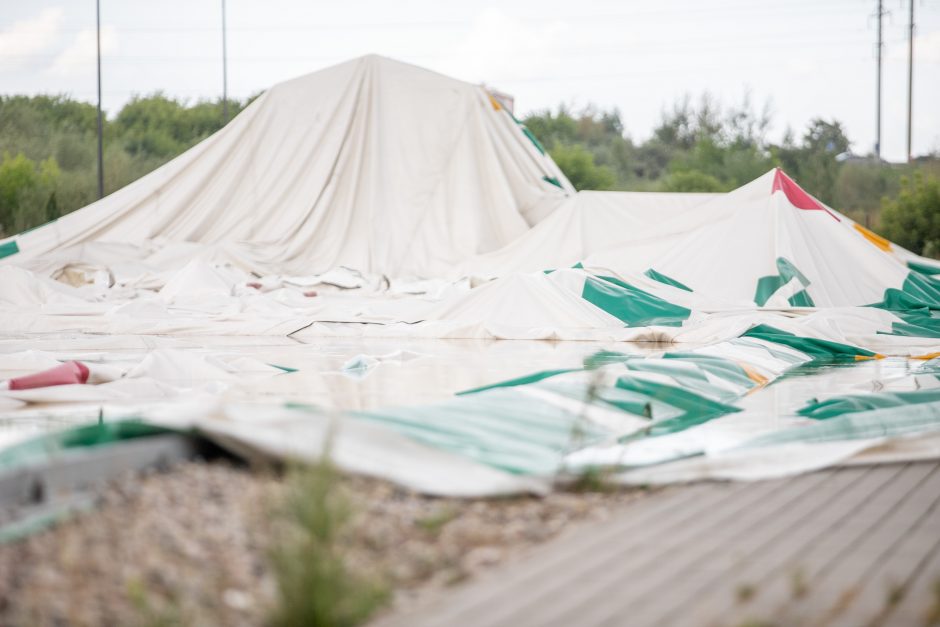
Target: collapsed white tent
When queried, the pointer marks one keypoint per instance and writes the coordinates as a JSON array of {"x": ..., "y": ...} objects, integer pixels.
[
  {"x": 777, "y": 246},
  {"x": 394, "y": 170},
  {"x": 640, "y": 224},
  {"x": 372, "y": 164}
]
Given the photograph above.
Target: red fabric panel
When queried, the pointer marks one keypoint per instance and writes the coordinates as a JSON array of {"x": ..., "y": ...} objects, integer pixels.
[{"x": 796, "y": 194}]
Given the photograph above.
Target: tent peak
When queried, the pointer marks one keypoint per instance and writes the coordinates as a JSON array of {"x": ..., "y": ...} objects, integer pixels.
[{"x": 797, "y": 196}]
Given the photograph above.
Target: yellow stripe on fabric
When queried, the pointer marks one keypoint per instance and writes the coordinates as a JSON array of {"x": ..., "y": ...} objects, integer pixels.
[
  {"x": 874, "y": 238},
  {"x": 869, "y": 357},
  {"x": 495, "y": 103},
  {"x": 752, "y": 374}
]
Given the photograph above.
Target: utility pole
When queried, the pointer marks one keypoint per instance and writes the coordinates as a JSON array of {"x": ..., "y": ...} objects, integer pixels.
[
  {"x": 910, "y": 78},
  {"x": 224, "y": 71},
  {"x": 100, "y": 124},
  {"x": 878, "y": 87}
]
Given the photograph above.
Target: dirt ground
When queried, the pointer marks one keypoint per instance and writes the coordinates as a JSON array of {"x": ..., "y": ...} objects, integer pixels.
[{"x": 191, "y": 546}]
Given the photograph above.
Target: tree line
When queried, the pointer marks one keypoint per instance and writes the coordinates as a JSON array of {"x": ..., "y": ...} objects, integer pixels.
[{"x": 48, "y": 157}]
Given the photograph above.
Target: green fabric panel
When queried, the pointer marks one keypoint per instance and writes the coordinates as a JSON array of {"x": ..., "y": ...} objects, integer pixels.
[
  {"x": 923, "y": 268},
  {"x": 631, "y": 305},
  {"x": 896, "y": 300},
  {"x": 624, "y": 400},
  {"x": 717, "y": 366},
  {"x": 917, "y": 303},
  {"x": 692, "y": 379},
  {"x": 532, "y": 138},
  {"x": 786, "y": 272},
  {"x": 45, "y": 446},
  {"x": 915, "y": 326},
  {"x": 839, "y": 405},
  {"x": 817, "y": 349},
  {"x": 554, "y": 181},
  {"x": 801, "y": 299},
  {"x": 524, "y": 380},
  {"x": 875, "y": 423},
  {"x": 577, "y": 266},
  {"x": 923, "y": 287},
  {"x": 696, "y": 409},
  {"x": 918, "y": 292},
  {"x": 766, "y": 286},
  {"x": 662, "y": 278},
  {"x": 604, "y": 358},
  {"x": 525, "y": 130},
  {"x": 9, "y": 248},
  {"x": 500, "y": 428}
]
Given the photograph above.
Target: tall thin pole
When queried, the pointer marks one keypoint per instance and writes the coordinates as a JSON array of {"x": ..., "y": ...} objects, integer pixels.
[
  {"x": 878, "y": 87},
  {"x": 224, "y": 70},
  {"x": 910, "y": 78},
  {"x": 100, "y": 124}
]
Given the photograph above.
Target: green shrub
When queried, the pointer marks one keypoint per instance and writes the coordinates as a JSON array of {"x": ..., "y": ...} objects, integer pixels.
[{"x": 912, "y": 219}]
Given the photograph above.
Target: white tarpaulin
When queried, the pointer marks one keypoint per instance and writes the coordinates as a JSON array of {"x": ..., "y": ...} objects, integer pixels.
[
  {"x": 376, "y": 200},
  {"x": 373, "y": 164}
]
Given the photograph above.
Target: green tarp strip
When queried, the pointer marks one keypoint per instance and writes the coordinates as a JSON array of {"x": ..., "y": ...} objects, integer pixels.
[
  {"x": 631, "y": 305},
  {"x": 718, "y": 366},
  {"x": 9, "y": 248},
  {"x": 923, "y": 268},
  {"x": 662, "y": 278},
  {"x": 817, "y": 349},
  {"x": 919, "y": 292},
  {"x": 500, "y": 428},
  {"x": 524, "y": 380},
  {"x": 767, "y": 286},
  {"x": 839, "y": 405},
  {"x": 876, "y": 423},
  {"x": 554, "y": 181},
  {"x": 43, "y": 447},
  {"x": 696, "y": 408},
  {"x": 532, "y": 138}
]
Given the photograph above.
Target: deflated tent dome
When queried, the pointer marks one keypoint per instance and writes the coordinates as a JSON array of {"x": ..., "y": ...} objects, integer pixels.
[
  {"x": 373, "y": 164},
  {"x": 632, "y": 223},
  {"x": 780, "y": 247}
]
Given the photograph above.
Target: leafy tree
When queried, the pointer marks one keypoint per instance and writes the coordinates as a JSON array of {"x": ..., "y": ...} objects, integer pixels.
[
  {"x": 27, "y": 191},
  {"x": 692, "y": 181},
  {"x": 913, "y": 218},
  {"x": 578, "y": 165}
]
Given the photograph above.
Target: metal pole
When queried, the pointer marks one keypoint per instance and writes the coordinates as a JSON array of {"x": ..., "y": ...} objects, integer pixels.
[
  {"x": 878, "y": 100},
  {"x": 224, "y": 70},
  {"x": 910, "y": 79},
  {"x": 100, "y": 124}
]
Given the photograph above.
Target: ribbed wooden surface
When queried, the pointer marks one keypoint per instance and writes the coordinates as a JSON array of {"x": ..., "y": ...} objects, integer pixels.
[{"x": 845, "y": 547}]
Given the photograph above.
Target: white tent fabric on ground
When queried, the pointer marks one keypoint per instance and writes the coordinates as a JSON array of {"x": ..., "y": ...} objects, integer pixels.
[{"x": 376, "y": 200}]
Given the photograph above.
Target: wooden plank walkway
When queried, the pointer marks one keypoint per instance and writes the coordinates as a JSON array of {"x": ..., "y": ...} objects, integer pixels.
[{"x": 853, "y": 547}]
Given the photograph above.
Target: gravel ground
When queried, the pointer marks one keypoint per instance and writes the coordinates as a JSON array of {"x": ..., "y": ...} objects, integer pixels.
[{"x": 190, "y": 546}]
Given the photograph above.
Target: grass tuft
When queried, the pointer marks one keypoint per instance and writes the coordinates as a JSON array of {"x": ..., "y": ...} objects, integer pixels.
[{"x": 316, "y": 588}]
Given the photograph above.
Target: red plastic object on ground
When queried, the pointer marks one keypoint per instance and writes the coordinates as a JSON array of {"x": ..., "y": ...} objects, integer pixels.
[{"x": 63, "y": 374}]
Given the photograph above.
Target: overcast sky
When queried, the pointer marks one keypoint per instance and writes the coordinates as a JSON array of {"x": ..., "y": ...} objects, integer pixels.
[{"x": 809, "y": 58}]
